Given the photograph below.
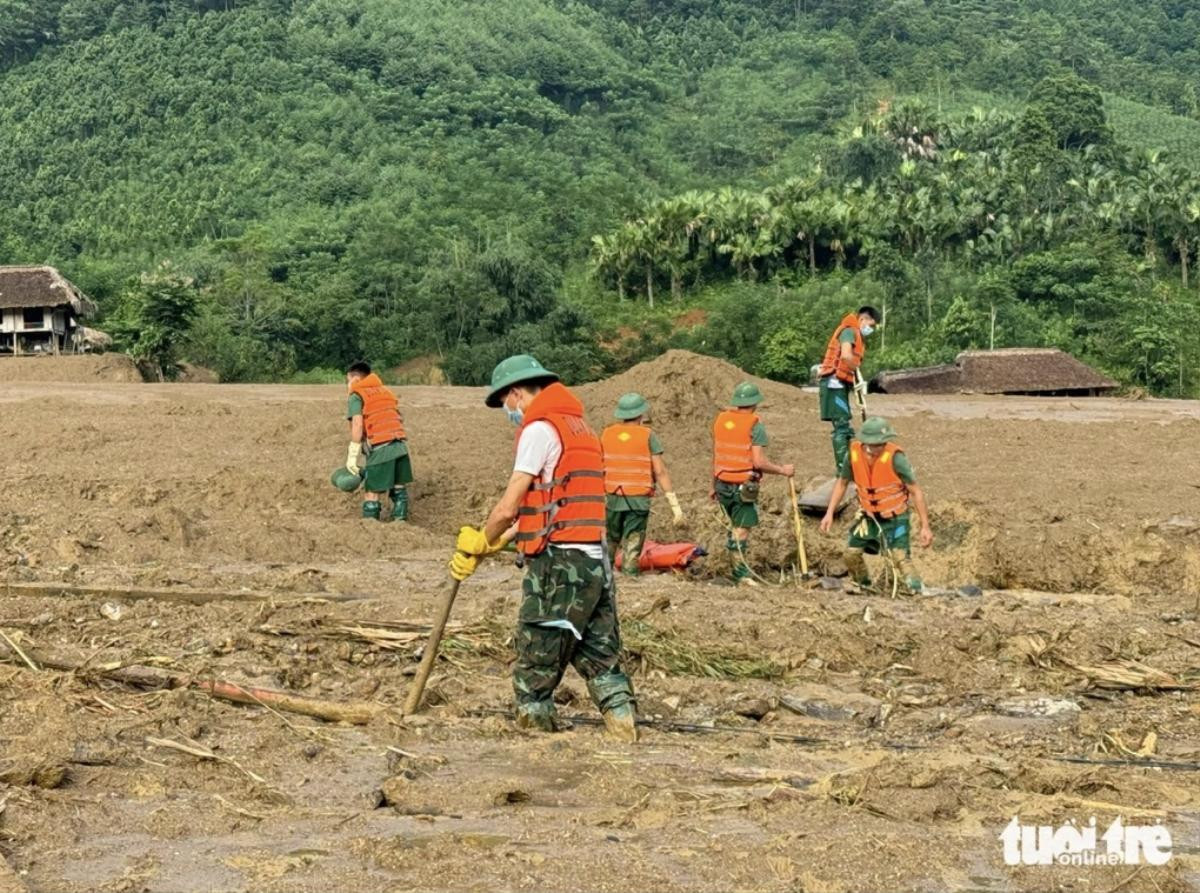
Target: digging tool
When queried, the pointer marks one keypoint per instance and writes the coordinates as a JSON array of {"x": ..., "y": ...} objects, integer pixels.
[
  {"x": 800, "y": 551},
  {"x": 413, "y": 703},
  {"x": 860, "y": 394}
]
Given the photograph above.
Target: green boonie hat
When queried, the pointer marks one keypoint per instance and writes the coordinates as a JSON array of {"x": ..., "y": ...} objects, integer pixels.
[
  {"x": 344, "y": 480},
  {"x": 513, "y": 371},
  {"x": 630, "y": 406},
  {"x": 876, "y": 431},
  {"x": 747, "y": 394}
]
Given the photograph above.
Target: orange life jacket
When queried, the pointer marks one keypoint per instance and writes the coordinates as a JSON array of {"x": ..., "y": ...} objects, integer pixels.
[
  {"x": 627, "y": 467},
  {"x": 570, "y": 508},
  {"x": 733, "y": 458},
  {"x": 881, "y": 492},
  {"x": 381, "y": 417},
  {"x": 834, "y": 363}
]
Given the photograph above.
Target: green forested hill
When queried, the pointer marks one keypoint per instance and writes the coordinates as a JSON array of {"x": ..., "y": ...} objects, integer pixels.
[{"x": 397, "y": 178}]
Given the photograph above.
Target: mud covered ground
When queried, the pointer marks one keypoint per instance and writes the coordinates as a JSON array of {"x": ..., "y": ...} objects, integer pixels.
[{"x": 862, "y": 742}]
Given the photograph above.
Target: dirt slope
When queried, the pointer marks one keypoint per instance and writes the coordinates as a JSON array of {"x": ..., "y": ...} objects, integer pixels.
[{"x": 920, "y": 716}]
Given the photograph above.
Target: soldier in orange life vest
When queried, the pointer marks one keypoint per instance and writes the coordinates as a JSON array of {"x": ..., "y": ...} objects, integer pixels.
[
  {"x": 886, "y": 486},
  {"x": 633, "y": 465},
  {"x": 554, "y": 509},
  {"x": 375, "y": 421},
  {"x": 739, "y": 461},
  {"x": 843, "y": 356}
]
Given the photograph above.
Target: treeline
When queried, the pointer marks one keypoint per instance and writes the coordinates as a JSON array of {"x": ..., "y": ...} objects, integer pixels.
[
  {"x": 995, "y": 230},
  {"x": 336, "y": 179}
]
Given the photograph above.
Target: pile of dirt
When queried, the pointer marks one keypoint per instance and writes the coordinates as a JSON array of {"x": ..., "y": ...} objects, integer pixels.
[
  {"x": 85, "y": 369},
  {"x": 684, "y": 388}
]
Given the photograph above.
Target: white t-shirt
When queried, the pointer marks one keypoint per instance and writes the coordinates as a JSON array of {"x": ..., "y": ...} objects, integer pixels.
[{"x": 538, "y": 452}]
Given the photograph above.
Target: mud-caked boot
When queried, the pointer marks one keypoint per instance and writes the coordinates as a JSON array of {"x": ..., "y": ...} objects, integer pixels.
[
  {"x": 912, "y": 579},
  {"x": 539, "y": 716},
  {"x": 612, "y": 692},
  {"x": 856, "y": 565},
  {"x": 631, "y": 557},
  {"x": 400, "y": 504},
  {"x": 372, "y": 510}
]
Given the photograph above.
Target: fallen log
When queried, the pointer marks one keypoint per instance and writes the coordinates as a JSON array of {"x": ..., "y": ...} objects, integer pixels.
[
  {"x": 353, "y": 712},
  {"x": 180, "y": 594}
]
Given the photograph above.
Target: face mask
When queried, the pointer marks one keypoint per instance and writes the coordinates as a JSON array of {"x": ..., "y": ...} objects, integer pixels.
[
  {"x": 515, "y": 416},
  {"x": 866, "y": 330}
]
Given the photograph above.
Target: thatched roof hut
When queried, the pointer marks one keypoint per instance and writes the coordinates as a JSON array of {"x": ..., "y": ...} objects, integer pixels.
[
  {"x": 23, "y": 287},
  {"x": 1015, "y": 370}
]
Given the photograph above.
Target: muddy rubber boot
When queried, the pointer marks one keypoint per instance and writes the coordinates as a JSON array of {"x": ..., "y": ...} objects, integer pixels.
[
  {"x": 856, "y": 565},
  {"x": 911, "y": 578},
  {"x": 621, "y": 723},
  {"x": 372, "y": 510},
  {"x": 400, "y": 504},
  {"x": 631, "y": 555},
  {"x": 539, "y": 716},
  {"x": 612, "y": 693}
]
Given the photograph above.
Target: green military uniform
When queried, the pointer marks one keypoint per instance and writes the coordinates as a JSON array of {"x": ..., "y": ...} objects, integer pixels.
[
  {"x": 568, "y": 616},
  {"x": 389, "y": 467},
  {"x": 835, "y": 408},
  {"x": 882, "y": 536},
  {"x": 741, "y": 514},
  {"x": 892, "y": 534},
  {"x": 627, "y": 518}
]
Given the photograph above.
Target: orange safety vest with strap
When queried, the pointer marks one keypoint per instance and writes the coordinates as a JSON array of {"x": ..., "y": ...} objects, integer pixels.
[
  {"x": 628, "y": 470},
  {"x": 733, "y": 455},
  {"x": 381, "y": 417},
  {"x": 881, "y": 492},
  {"x": 834, "y": 363},
  {"x": 570, "y": 508}
]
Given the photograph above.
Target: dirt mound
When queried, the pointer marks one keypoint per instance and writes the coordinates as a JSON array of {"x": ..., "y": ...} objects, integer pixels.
[
  {"x": 682, "y": 387},
  {"x": 109, "y": 367},
  {"x": 189, "y": 373}
]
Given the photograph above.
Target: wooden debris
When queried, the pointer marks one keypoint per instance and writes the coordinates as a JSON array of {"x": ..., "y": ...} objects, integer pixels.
[
  {"x": 1127, "y": 674},
  {"x": 354, "y": 712},
  {"x": 179, "y": 594}
]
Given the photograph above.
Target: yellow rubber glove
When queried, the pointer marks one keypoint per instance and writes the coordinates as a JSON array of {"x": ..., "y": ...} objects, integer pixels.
[
  {"x": 471, "y": 541},
  {"x": 462, "y": 566},
  {"x": 676, "y": 511},
  {"x": 352, "y": 454}
]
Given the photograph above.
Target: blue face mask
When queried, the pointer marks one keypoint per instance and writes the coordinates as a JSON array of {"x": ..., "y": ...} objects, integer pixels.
[
  {"x": 516, "y": 416},
  {"x": 866, "y": 330}
]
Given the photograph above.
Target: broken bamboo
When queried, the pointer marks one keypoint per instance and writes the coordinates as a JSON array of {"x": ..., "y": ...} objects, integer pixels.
[
  {"x": 353, "y": 712},
  {"x": 181, "y": 594}
]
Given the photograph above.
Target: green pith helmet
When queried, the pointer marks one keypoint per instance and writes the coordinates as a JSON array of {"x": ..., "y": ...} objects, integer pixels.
[
  {"x": 630, "y": 406},
  {"x": 876, "y": 431},
  {"x": 746, "y": 394},
  {"x": 344, "y": 480},
  {"x": 513, "y": 371}
]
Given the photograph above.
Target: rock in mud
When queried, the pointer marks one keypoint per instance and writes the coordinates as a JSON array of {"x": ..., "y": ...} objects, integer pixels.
[
  {"x": 1060, "y": 709},
  {"x": 834, "y": 705}
]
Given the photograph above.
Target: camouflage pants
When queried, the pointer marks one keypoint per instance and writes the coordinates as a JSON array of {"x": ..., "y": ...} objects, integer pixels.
[
  {"x": 568, "y": 617},
  {"x": 627, "y": 531}
]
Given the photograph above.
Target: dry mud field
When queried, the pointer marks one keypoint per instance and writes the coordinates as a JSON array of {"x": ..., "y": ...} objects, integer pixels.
[{"x": 846, "y": 741}]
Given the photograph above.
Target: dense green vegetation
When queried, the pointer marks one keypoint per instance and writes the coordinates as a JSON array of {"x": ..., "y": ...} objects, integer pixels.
[{"x": 335, "y": 179}]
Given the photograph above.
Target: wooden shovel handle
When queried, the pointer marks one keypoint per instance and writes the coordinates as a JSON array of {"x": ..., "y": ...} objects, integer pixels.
[
  {"x": 431, "y": 649},
  {"x": 801, "y": 552}
]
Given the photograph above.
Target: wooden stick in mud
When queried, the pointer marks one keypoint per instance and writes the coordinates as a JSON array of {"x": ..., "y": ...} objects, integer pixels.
[
  {"x": 354, "y": 712},
  {"x": 181, "y": 594},
  {"x": 413, "y": 704},
  {"x": 799, "y": 525}
]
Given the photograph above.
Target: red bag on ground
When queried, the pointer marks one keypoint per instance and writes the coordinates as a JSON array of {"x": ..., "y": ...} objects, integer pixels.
[{"x": 666, "y": 556}]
